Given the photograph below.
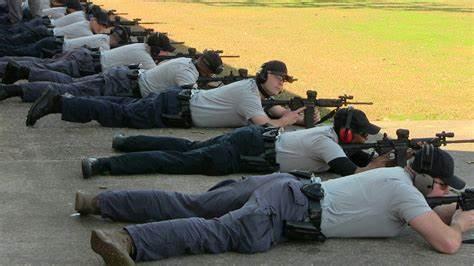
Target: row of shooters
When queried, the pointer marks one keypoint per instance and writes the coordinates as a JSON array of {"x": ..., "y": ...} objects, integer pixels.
[{"x": 249, "y": 215}]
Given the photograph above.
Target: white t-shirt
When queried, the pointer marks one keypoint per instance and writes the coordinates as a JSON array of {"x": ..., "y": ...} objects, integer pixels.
[
  {"x": 375, "y": 203},
  {"x": 308, "y": 149},
  {"x": 69, "y": 19},
  {"x": 169, "y": 74},
  {"x": 232, "y": 105},
  {"x": 101, "y": 41},
  {"x": 54, "y": 12},
  {"x": 137, "y": 53},
  {"x": 74, "y": 30}
]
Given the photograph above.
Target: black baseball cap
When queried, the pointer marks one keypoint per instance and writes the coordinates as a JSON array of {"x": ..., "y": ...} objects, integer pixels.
[
  {"x": 359, "y": 121},
  {"x": 213, "y": 61},
  {"x": 442, "y": 167},
  {"x": 160, "y": 40},
  {"x": 74, "y": 4},
  {"x": 122, "y": 33},
  {"x": 102, "y": 17},
  {"x": 277, "y": 67}
]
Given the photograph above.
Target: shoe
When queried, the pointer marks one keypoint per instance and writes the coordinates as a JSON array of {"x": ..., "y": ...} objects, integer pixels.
[
  {"x": 118, "y": 140},
  {"x": 43, "y": 106},
  {"x": 14, "y": 72},
  {"x": 86, "y": 204},
  {"x": 114, "y": 247},
  {"x": 3, "y": 93},
  {"x": 90, "y": 167}
]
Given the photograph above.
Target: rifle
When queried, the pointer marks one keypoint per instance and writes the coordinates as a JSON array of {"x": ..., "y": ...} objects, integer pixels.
[
  {"x": 192, "y": 53},
  {"x": 311, "y": 102},
  {"x": 242, "y": 74},
  {"x": 403, "y": 143},
  {"x": 113, "y": 12},
  {"x": 134, "y": 22},
  {"x": 465, "y": 201}
]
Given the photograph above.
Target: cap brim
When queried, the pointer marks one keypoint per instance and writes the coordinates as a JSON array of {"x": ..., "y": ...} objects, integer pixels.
[
  {"x": 372, "y": 129},
  {"x": 455, "y": 182},
  {"x": 169, "y": 48}
]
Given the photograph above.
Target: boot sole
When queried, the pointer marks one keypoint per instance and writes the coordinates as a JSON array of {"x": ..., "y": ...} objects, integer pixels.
[
  {"x": 111, "y": 254},
  {"x": 86, "y": 169}
]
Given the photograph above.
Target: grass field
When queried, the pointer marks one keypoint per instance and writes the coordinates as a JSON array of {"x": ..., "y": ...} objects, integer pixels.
[{"x": 413, "y": 59}]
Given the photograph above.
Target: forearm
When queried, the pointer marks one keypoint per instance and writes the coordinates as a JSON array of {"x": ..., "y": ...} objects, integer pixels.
[{"x": 445, "y": 212}]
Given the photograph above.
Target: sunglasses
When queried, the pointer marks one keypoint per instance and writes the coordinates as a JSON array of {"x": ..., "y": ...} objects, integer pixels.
[
  {"x": 441, "y": 184},
  {"x": 280, "y": 76}
]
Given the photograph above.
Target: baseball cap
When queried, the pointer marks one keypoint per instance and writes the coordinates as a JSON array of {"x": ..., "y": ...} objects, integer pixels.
[
  {"x": 442, "y": 167},
  {"x": 359, "y": 121},
  {"x": 122, "y": 33},
  {"x": 101, "y": 17},
  {"x": 74, "y": 4},
  {"x": 278, "y": 68},
  {"x": 213, "y": 61},
  {"x": 160, "y": 40}
]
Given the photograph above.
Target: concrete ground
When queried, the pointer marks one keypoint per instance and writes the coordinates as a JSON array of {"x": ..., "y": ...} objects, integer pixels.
[{"x": 40, "y": 172}]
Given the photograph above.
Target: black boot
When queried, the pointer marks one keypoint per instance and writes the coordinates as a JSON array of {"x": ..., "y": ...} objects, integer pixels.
[
  {"x": 118, "y": 140},
  {"x": 15, "y": 72},
  {"x": 8, "y": 91},
  {"x": 94, "y": 166},
  {"x": 48, "y": 103}
]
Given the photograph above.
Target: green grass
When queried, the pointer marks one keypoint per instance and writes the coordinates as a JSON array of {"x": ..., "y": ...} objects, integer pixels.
[{"x": 413, "y": 59}]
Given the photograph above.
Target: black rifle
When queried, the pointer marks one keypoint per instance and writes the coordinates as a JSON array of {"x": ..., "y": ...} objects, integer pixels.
[
  {"x": 401, "y": 145},
  {"x": 113, "y": 12},
  {"x": 134, "y": 22},
  {"x": 242, "y": 74},
  {"x": 465, "y": 201},
  {"x": 311, "y": 102},
  {"x": 192, "y": 53}
]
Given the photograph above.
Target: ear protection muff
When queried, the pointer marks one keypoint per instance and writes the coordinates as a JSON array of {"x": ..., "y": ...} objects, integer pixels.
[
  {"x": 424, "y": 182},
  {"x": 345, "y": 133}
]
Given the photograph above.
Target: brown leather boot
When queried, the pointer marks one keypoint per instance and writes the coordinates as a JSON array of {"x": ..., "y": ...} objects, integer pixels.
[
  {"x": 115, "y": 247},
  {"x": 86, "y": 204}
]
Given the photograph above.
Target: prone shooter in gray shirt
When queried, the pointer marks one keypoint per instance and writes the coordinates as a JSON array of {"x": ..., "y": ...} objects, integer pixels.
[
  {"x": 255, "y": 213},
  {"x": 251, "y": 149}
]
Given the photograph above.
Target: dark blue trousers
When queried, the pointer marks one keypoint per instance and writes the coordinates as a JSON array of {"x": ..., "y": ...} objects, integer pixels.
[
  {"x": 246, "y": 216},
  {"x": 94, "y": 85},
  {"x": 121, "y": 111},
  {"x": 61, "y": 68},
  {"x": 216, "y": 156},
  {"x": 33, "y": 49}
]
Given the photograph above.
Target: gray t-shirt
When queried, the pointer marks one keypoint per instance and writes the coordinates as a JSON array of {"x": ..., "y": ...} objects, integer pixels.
[
  {"x": 69, "y": 19},
  {"x": 74, "y": 30},
  {"x": 101, "y": 41},
  {"x": 137, "y": 53},
  {"x": 232, "y": 105},
  {"x": 169, "y": 74},
  {"x": 308, "y": 149},
  {"x": 375, "y": 203}
]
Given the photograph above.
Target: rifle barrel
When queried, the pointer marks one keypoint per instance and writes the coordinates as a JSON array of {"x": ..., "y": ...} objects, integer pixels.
[
  {"x": 230, "y": 56},
  {"x": 366, "y": 103},
  {"x": 460, "y": 141}
]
